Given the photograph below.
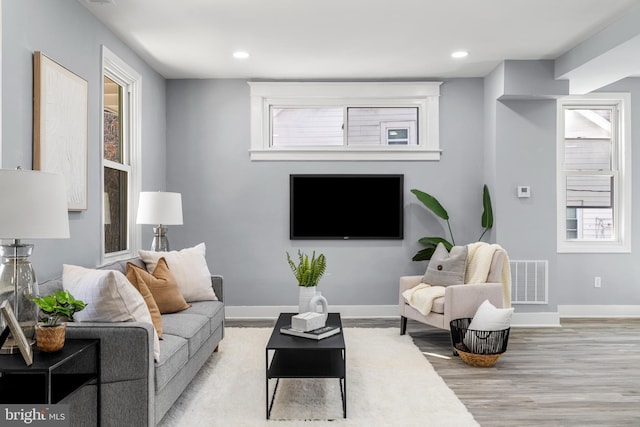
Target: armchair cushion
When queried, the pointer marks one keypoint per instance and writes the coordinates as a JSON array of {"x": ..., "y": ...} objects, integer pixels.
[{"x": 446, "y": 268}]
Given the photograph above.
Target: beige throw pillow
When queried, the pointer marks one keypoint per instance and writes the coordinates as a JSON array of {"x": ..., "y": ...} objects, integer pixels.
[
  {"x": 109, "y": 297},
  {"x": 161, "y": 284},
  {"x": 190, "y": 269},
  {"x": 141, "y": 286},
  {"x": 446, "y": 268}
]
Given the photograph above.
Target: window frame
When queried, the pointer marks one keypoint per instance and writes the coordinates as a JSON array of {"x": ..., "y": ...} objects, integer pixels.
[
  {"x": 423, "y": 95},
  {"x": 118, "y": 71},
  {"x": 620, "y": 171}
]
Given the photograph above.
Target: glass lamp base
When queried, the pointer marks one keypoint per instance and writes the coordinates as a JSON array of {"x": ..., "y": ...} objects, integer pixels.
[
  {"x": 18, "y": 285},
  {"x": 160, "y": 242}
]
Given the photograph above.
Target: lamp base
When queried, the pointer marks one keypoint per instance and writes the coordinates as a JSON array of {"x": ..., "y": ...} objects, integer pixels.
[
  {"x": 18, "y": 285},
  {"x": 160, "y": 242}
]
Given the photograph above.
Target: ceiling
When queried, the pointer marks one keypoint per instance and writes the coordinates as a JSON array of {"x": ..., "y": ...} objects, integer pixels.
[{"x": 349, "y": 39}]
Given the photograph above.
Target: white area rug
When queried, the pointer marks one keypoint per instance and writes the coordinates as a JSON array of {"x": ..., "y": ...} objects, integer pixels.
[{"x": 389, "y": 383}]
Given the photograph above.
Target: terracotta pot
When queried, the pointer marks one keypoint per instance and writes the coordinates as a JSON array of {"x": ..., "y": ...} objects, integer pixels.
[{"x": 50, "y": 338}]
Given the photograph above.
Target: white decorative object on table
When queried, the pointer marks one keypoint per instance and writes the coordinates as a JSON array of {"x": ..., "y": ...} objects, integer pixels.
[
  {"x": 304, "y": 297},
  {"x": 308, "y": 321},
  {"x": 318, "y": 299}
]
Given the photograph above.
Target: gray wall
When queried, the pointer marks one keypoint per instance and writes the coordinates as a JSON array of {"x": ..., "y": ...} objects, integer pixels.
[
  {"x": 66, "y": 32},
  {"x": 240, "y": 208},
  {"x": 521, "y": 136},
  {"x": 196, "y": 140}
]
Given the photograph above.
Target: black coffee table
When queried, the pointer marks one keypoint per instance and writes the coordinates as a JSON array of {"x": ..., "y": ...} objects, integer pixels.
[{"x": 295, "y": 357}]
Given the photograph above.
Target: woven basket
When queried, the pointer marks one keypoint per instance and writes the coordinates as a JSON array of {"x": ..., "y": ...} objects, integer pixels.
[
  {"x": 50, "y": 338},
  {"x": 483, "y": 360},
  {"x": 477, "y": 348}
]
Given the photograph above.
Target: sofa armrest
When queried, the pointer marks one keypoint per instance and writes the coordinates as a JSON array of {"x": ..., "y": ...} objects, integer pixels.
[
  {"x": 119, "y": 341},
  {"x": 461, "y": 301},
  {"x": 408, "y": 282},
  {"x": 127, "y": 369},
  {"x": 217, "y": 282}
]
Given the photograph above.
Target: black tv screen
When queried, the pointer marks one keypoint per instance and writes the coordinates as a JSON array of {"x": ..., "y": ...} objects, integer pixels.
[{"x": 346, "y": 207}]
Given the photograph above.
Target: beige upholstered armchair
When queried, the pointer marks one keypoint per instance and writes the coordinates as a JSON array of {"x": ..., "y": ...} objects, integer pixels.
[{"x": 459, "y": 301}]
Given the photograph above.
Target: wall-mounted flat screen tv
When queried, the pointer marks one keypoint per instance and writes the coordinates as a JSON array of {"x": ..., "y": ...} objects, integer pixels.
[{"x": 346, "y": 207}]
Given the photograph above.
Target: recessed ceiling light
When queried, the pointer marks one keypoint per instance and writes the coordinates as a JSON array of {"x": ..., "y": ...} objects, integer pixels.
[
  {"x": 460, "y": 54},
  {"x": 240, "y": 54}
]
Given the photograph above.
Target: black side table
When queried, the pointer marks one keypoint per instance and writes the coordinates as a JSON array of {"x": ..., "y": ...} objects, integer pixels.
[{"x": 53, "y": 376}]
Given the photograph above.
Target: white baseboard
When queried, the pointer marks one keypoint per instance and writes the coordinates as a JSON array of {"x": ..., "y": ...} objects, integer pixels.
[
  {"x": 346, "y": 311},
  {"x": 612, "y": 311},
  {"x": 540, "y": 319},
  {"x": 536, "y": 320}
]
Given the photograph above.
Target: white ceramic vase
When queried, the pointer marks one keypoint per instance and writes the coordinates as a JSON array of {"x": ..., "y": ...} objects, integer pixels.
[{"x": 306, "y": 293}]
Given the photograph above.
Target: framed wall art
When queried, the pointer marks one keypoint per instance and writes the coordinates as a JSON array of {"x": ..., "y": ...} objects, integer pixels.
[{"x": 60, "y": 126}]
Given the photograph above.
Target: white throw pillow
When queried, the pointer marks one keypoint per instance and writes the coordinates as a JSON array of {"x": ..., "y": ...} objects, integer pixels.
[
  {"x": 189, "y": 267},
  {"x": 109, "y": 297},
  {"x": 490, "y": 318}
]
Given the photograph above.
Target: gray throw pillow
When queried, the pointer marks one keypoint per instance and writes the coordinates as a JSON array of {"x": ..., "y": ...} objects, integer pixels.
[{"x": 446, "y": 268}]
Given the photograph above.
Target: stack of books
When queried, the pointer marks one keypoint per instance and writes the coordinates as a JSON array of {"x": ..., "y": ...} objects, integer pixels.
[{"x": 316, "y": 334}]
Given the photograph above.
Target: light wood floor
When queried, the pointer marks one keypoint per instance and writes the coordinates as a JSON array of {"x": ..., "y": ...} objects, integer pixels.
[{"x": 586, "y": 373}]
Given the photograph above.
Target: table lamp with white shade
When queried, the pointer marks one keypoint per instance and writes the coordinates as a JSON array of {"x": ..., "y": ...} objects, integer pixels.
[
  {"x": 161, "y": 209},
  {"x": 34, "y": 206}
]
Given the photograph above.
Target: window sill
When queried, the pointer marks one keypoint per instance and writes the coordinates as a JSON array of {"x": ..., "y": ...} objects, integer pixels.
[
  {"x": 314, "y": 154},
  {"x": 593, "y": 247}
]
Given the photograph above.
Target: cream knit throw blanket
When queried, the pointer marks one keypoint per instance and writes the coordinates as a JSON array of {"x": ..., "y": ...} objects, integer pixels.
[
  {"x": 479, "y": 264},
  {"x": 422, "y": 296}
]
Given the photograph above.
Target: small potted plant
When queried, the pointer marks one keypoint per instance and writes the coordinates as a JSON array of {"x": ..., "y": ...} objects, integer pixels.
[
  {"x": 50, "y": 330},
  {"x": 308, "y": 272}
]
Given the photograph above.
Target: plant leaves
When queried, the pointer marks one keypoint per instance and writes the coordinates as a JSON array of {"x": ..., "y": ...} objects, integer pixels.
[
  {"x": 424, "y": 254},
  {"x": 431, "y": 203},
  {"x": 308, "y": 272},
  {"x": 60, "y": 303},
  {"x": 487, "y": 214},
  {"x": 433, "y": 241}
]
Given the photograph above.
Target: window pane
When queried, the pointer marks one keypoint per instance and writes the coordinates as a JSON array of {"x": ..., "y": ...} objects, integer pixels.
[
  {"x": 115, "y": 194},
  {"x": 382, "y": 126},
  {"x": 589, "y": 191},
  {"x": 587, "y": 154},
  {"x": 307, "y": 127},
  {"x": 590, "y": 224},
  {"x": 588, "y": 123},
  {"x": 398, "y": 136},
  {"x": 112, "y": 121}
]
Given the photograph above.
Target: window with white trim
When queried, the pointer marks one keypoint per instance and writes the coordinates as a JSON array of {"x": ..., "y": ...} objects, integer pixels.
[
  {"x": 120, "y": 160},
  {"x": 594, "y": 173},
  {"x": 345, "y": 121}
]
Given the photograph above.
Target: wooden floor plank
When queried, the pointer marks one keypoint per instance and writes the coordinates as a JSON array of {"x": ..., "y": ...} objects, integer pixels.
[{"x": 585, "y": 373}]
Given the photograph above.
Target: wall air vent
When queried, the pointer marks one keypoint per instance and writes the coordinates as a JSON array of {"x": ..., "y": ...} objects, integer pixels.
[{"x": 529, "y": 282}]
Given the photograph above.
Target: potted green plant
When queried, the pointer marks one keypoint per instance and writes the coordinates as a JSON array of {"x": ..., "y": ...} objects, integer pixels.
[
  {"x": 50, "y": 330},
  {"x": 308, "y": 273},
  {"x": 434, "y": 206}
]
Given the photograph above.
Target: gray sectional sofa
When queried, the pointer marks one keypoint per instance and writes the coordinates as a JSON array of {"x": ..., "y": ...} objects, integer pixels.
[{"x": 136, "y": 390}]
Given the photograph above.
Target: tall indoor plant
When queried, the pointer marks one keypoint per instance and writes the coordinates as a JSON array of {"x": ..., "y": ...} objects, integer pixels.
[
  {"x": 308, "y": 273},
  {"x": 434, "y": 206}
]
